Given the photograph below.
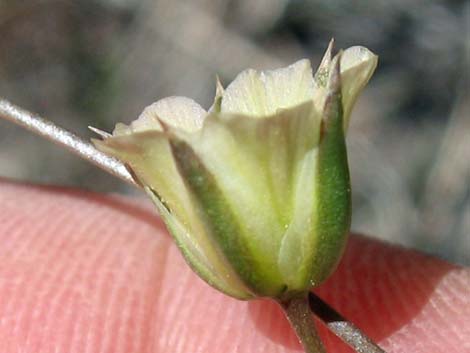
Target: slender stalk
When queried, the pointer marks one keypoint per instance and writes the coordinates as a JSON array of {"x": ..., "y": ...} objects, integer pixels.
[
  {"x": 72, "y": 142},
  {"x": 298, "y": 312},
  {"x": 341, "y": 327}
]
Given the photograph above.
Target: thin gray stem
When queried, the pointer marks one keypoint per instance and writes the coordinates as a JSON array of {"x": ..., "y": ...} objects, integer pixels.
[
  {"x": 298, "y": 312},
  {"x": 60, "y": 136},
  {"x": 342, "y": 328}
]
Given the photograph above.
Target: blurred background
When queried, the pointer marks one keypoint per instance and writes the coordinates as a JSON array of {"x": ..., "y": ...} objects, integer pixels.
[{"x": 98, "y": 62}]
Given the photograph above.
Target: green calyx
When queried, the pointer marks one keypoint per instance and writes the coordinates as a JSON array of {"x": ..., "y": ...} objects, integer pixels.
[
  {"x": 225, "y": 228},
  {"x": 256, "y": 190}
]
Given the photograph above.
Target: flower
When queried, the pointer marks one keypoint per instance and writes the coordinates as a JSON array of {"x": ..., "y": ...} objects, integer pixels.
[{"x": 256, "y": 190}]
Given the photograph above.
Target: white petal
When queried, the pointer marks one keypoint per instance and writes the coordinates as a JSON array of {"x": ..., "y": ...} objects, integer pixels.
[
  {"x": 357, "y": 66},
  {"x": 121, "y": 129},
  {"x": 255, "y": 93},
  {"x": 355, "y": 56},
  {"x": 179, "y": 112},
  {"x": 298, "y": 244},
  {"x": 245, "y": 95}
]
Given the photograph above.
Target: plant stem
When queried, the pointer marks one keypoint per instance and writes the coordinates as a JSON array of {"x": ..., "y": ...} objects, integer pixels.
[
  {"x": 72, "y": 142},
  {"x": 298, "y": 312},
  {"x": 341, "y": 327}
]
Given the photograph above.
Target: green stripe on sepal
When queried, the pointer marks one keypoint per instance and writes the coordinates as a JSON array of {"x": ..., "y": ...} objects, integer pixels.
[
  {"x": 229, "y": 285},
  {"x": 332, "y": 184},
  {"x": 220, "y": 219},
  {"x": 149, "y": 156}
]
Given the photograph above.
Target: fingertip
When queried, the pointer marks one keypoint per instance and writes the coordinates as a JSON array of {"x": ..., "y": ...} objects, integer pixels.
[
  {"x": 98, "y": 273},
  {"x": 401, "y": 298},
  {"x": 79, "y": 271}
]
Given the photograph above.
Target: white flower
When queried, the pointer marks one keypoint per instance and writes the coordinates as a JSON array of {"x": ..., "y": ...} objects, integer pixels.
[{"x": 256, "y": 190}]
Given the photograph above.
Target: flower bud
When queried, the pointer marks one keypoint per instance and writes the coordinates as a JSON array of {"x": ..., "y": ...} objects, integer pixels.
[{"x": 255, "y": 191}]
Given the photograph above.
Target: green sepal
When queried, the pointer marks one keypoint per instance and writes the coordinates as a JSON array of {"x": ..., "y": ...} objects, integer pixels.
[
  {"x": 192, "y": 256},
  {"x": 333, "y": 189},
  {"x": 224, "y": 226},
  {"x": 145, "y": 153}
]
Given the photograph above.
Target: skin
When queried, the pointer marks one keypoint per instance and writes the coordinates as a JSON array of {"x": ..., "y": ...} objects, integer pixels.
[{"x": 84, "y": 272}]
